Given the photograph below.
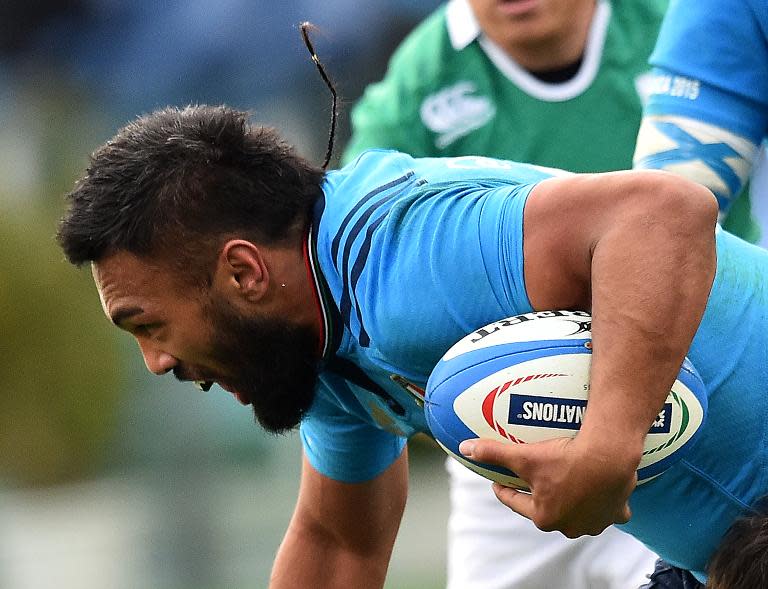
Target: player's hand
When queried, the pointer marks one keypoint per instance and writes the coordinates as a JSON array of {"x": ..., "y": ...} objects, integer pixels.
[{"x": 577, "y": 488}]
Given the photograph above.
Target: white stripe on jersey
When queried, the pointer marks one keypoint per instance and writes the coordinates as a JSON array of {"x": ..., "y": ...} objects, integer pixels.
[{"x": 658, "y": 150}]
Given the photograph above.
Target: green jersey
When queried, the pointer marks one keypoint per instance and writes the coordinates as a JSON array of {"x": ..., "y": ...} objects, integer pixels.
[{"x": 451, "y": 91}]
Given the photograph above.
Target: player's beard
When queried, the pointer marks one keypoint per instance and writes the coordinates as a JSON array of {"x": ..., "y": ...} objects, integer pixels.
[{"x": 274, "y": 362}]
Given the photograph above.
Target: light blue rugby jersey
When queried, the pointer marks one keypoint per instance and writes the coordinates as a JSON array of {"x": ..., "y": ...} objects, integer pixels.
[
  {"x": 683, "y": 513},
  {"x": 413, "y": 254},
  {"x": 723, "y": 45}
]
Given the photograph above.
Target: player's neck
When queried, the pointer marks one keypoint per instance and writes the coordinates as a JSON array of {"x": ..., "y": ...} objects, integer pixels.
[
  {"x": 558, "y": 75},
  {"x": 292, "y": 292}
]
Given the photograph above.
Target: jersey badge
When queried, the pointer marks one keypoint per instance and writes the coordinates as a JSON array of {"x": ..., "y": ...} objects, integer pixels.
[{"x": 455, "y": 111}]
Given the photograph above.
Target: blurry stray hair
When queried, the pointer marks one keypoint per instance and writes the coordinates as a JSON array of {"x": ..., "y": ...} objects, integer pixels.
[{"x": 305, "y": 27}]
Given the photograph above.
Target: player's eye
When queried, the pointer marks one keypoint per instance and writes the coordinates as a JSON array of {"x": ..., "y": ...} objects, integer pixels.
[
  {"x": 203, "y": 385},
  {"x": 147, "y": 329}
]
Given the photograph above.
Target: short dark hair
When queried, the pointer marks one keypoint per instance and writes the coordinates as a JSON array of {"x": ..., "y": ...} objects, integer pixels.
[
  {"x": 741, "y": 560},
  {"x": 176, "y": 182}
]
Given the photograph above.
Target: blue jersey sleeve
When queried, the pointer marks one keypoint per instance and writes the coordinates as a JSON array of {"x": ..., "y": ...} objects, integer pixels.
[
  {"x": 712, "y": 60},
  {"x": 341, "y": 441},
  {"x": 708, "y": 106}
]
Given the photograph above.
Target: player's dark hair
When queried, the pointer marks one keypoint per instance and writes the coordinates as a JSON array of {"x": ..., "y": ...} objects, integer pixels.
[
  {"x": 741, "y": 560},
  {"x": 176, "y": 183},
  {"x": 305, "y": 27}
]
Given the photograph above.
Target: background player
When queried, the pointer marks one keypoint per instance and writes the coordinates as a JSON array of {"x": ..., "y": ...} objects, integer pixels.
[{"x": 708, "y": 111}]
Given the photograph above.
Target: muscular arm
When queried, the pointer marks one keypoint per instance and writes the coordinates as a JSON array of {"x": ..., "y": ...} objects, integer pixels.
[
  {"x": 641, "y": 247},
  {"x": 638, "y": 250},
  {"x": 341, "y": 534}
]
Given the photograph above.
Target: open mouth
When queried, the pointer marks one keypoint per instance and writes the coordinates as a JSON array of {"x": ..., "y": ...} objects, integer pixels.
[{"x": 205, "y": 386}]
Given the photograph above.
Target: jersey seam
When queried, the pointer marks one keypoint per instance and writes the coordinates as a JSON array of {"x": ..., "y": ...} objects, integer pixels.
[{"x": 714, "y": 483}]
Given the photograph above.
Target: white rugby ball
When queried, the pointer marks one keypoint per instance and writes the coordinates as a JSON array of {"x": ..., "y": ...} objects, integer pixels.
[{"x": 525, "y": 379}]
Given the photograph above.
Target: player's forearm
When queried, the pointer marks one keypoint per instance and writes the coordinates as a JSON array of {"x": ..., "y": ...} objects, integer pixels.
[
  {"x": 341, "y": 534},
  {"x": 308, "y": 559},
  {"x": 652, "y": 271}
]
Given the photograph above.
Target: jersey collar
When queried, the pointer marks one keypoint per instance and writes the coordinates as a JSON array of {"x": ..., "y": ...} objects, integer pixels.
[
  {"x": 462, "y": 24},
  {"x": 463, "y": 29},
  {"x": 329, "y": 318}
]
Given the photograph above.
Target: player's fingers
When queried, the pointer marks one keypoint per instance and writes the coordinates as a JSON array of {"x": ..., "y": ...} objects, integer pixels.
[
  {"x": 511, "y": 456},
  {"x": 518, "y": 502}
]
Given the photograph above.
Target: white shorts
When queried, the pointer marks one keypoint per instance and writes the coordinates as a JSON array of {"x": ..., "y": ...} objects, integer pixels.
[{"x": 491, "y": 547}]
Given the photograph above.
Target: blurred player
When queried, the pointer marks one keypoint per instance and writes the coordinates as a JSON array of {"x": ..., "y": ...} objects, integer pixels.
[
  {"x": 551, "y": 82},
  {"x": 708, "y": 111}
]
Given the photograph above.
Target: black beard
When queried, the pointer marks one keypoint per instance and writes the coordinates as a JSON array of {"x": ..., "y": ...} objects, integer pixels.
[{"x": 274, "y": 363}]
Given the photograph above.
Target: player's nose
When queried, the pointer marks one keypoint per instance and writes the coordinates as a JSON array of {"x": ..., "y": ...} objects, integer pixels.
[{"x": 157, "y": 361}]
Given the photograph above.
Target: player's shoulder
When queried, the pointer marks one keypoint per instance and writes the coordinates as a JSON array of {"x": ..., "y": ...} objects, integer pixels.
[
  {"x": 378, "y": 178},
  {"x": 375, "y": 168},
  {"x": 372, "y": 165},
  {"x": 374, "y": 171},
  {"x": 722, "y": 8},
  {"x": 710, "y": 16}
]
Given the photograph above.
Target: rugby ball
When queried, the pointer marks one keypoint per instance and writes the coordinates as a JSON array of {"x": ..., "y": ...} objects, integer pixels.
[{"x": 525, "y": 379}]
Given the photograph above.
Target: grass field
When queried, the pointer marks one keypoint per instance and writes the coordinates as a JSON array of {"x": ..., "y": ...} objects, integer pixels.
[{"x": 203, "y": 529}]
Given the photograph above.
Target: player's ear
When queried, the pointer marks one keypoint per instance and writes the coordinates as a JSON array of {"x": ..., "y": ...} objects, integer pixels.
[{"x": 241, "y": 271}]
